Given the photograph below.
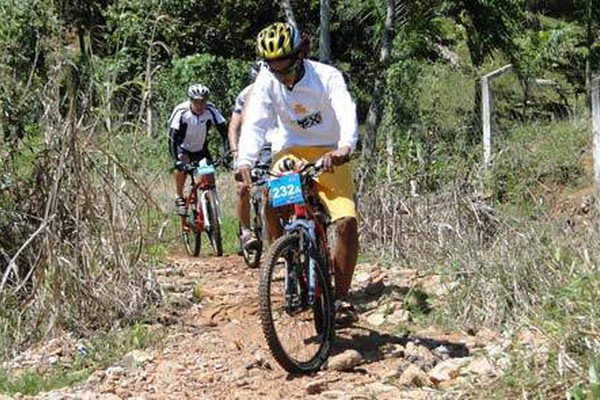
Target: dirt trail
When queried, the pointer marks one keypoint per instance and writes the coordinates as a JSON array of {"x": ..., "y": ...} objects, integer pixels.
[{"x": 215, "y": 350}]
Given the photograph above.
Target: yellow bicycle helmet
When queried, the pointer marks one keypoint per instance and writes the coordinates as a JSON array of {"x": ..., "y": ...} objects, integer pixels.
[{"x": 277, "y": 40}]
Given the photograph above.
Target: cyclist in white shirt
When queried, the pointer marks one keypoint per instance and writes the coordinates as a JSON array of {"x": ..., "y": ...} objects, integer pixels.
[
  {"x": 264, "y": 159},
  {"x": 189, "y": 124},
  {"x": 316, "y": 118}
]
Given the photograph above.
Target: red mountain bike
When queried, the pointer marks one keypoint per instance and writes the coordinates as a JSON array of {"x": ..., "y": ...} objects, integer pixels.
[
  {"x": 203, "y": 209},
  {"x": 295, "y": 292}
]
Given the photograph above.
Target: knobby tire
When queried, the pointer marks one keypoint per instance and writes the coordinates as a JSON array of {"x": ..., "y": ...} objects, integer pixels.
[
  {"x": 192, "y": 239},
  {"x": 214, "y": 231},
  {"x": 322, "y": 310}
]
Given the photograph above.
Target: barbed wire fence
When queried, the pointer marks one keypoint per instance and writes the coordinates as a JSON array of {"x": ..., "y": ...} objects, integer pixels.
[{"x": 402, "y": 221}]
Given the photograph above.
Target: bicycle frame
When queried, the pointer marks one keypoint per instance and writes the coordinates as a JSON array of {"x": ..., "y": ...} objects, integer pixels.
[
  {"x": 302, "y": 254},
  {"x": 313, "y": 227},
  {"x": 201, "y": 184}
]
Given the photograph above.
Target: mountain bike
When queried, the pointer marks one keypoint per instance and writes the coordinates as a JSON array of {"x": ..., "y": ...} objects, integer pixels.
[
  {"x": 295, "y": 291},
  {"x": 260, "y": 178},
  {"x": 203, "y": 209}
]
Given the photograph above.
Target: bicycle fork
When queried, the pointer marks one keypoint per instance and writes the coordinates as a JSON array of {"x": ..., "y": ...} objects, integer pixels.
[{"x": 301, "y": 285}]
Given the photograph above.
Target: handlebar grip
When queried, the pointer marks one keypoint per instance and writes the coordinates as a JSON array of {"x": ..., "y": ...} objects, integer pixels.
[{"x": 183, "y": 167}]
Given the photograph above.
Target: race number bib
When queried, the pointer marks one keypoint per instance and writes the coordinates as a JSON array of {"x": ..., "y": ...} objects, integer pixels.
[{"x": 285, "y": 190}]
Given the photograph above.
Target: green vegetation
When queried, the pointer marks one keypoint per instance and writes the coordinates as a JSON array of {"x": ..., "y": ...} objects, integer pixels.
[
  {"x": 86, "y": 192},
  {"x": 31, "y": 383},
  {"x": 101, "y": 352}
]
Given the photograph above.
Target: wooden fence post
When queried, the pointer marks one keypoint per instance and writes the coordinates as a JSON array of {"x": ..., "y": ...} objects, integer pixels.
[
  {"x": 486, "y": 116},
  {"x": 486, "y": 111},
  {"x": 596, "y": 130}
]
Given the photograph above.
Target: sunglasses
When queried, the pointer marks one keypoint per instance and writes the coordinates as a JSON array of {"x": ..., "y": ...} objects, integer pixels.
[{"x": 290, "y": 69}]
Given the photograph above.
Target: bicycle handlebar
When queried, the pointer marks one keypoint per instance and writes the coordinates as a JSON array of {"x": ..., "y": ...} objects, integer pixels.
[
  {"x": 316, "y": 168},
  {"x": 190, "y": 167},
  {"x": 257, "y": 174},
  {"x": 312, "y": 169}
]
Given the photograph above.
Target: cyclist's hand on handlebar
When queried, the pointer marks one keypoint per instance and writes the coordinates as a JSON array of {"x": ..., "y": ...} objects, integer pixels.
[
  {"x": 226, "y": 160},
  {"x": 242, "y": 174},
  {"x": 180, "y": 165},
  {"x": 335, "y": 157}
]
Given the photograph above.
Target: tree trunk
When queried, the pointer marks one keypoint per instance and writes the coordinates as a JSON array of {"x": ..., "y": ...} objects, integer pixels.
[
  {"x": 373, "y": 116},
  {"x": 288, "y": 11},
  {"x": 324, "y": 37}
]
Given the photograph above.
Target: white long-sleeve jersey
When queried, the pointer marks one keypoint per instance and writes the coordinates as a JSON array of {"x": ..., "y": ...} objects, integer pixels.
[{"x": 317, "y": 112}]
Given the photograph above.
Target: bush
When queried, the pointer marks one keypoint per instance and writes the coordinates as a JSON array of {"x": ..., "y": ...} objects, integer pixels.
[{"x": 224, "y": 78}]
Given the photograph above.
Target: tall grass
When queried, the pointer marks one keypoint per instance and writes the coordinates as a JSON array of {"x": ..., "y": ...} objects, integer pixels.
[
  {"x": 523, "y": 243},
  {"x": 73, "y": 225}
]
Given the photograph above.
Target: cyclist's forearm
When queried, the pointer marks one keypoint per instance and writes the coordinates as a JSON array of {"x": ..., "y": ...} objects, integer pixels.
[
  {"x": 175, "y": 141},
  {"x": 348, "y": 132},
  {"x": 234, "y": 129}
]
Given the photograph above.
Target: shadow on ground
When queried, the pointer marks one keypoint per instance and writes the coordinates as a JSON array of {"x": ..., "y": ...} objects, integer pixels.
[
  {"x": 413, "y": 299},
  {"x": 374, "y": 345}
]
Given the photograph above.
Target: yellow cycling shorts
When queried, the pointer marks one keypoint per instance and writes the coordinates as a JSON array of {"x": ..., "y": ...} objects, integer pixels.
[{"x": 336, "y": 190}]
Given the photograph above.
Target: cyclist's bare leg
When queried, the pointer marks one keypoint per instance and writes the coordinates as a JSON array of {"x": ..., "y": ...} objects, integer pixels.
[
  {"x": 345, "y": 255},
  {"x": 243, "y": 205},
  {"x": 181, "y": 176},
  {"x": 274, "y": 229}
]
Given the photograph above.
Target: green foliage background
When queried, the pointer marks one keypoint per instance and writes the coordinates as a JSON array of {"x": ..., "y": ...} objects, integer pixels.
[{"x": 113, "y": 70}]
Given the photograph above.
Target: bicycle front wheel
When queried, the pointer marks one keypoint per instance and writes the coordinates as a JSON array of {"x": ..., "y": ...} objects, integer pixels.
[
  {"x": 214, "y": 230},
  {"x": 192, "y": 240},
  {"x": 298, "y": 330}
]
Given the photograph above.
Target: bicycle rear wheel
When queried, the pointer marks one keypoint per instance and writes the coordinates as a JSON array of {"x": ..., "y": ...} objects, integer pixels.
[
  {"x": 299, "y": 334},
  {"x": 214, "y": 231}
]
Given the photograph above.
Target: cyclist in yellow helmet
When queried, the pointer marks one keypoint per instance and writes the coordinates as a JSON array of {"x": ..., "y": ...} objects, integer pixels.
[{"x": 316, "y": 118}]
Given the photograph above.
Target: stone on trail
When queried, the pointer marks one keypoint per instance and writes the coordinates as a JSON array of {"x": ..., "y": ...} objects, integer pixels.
[
  {"x": 345, "y": 361},
  {"x": 481, "y": 367},
  {"x": 414, "y": 376},
  {"x": 399, "y": 317},
  {"x": 418, "y": 353},
  {"x": 333, "y": 394},
  {"x": 135, "y": 359},
  {"x": 376, "y": 319},
  {"x": 448, "y": 369}
]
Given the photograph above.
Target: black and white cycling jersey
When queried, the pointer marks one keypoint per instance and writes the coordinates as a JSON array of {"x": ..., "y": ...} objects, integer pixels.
[{"x": 191, "y": 129}]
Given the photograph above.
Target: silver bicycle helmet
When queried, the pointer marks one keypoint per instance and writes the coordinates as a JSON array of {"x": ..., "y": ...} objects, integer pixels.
[{"x": 198, "y": 92}]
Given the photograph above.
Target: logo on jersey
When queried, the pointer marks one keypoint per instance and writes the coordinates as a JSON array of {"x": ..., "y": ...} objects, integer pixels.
[
  {"x": 310, "y": 120},
  {"x": 299, "y": 109}
]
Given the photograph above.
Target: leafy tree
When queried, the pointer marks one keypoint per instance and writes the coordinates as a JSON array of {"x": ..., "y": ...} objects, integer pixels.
[
  {"x": 87, "y": 19},
  {"x": 490, "y": 25},
  {"x": 28, "y": 33}
]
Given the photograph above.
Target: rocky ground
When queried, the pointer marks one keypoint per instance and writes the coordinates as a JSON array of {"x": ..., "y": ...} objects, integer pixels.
[{"x": 214, "y": 348}]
